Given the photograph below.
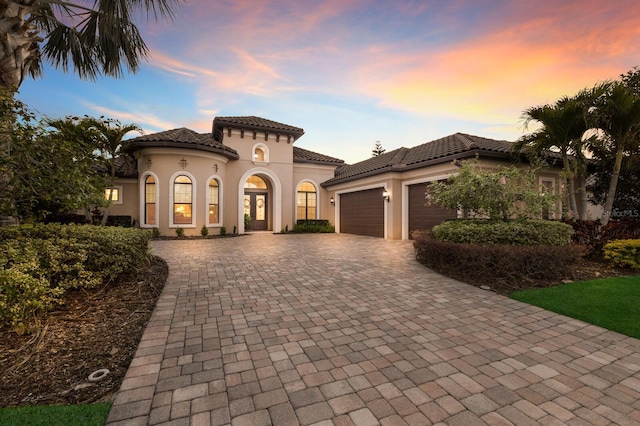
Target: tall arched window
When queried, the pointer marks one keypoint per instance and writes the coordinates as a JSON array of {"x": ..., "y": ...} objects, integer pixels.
[
  {"x": 150, "y": 200},
  {"x": 182, "y": 200},
  {"x": 214, "y": 202},
  {"x": 307, "y": 201}
]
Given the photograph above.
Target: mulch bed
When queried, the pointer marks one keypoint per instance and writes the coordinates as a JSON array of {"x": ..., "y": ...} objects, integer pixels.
[{"x": 94, "y": 329}]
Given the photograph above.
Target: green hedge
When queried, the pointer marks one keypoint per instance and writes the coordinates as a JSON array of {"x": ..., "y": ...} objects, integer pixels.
[
  {"x": 313, "y": 225},
  {"x": 625, "y": 253},
  {"x": 516, "y": 232},
  {"x": 38, "y": 263}
]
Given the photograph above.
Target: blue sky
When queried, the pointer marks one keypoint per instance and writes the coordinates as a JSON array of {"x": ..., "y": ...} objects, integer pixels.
[{"x": 353, "y": 72}]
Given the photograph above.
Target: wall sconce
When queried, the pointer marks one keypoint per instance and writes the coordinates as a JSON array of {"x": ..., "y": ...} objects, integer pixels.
[
  {"x": 332, "y": 201},
  {"x": 385, "y": 195},
  {"x": 215, "y": 167}
]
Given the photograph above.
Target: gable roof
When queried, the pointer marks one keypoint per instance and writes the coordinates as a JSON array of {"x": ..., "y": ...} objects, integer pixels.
[
  {"x": 305, "y": 156},
  {"x": 181, "y": 138},
  {"x": 254, "y": 123},
  {"x": 456, "y": 146}
]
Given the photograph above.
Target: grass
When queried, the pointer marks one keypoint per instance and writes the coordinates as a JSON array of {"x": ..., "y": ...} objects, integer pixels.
[
  {"x": 53, "y": 415},
  {"x": 611, "y": 303}
]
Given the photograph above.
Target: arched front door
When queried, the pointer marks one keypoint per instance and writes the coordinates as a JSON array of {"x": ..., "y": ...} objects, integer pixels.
[{"x": 256, "y": 204}]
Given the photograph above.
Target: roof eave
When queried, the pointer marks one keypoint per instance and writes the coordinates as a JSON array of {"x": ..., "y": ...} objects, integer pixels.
[{"x": 136, "y": 146}]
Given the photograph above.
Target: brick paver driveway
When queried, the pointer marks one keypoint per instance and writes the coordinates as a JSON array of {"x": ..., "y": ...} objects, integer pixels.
[{"x": 346, "y": 330}]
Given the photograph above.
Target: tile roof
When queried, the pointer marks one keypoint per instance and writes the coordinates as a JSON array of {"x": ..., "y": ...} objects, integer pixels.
[
  {"x": 305, "y": 156},
  {"x": 254, "y": 123},
  {"x": 181, "y": 138},
  {"x": 458, "y": 145}
]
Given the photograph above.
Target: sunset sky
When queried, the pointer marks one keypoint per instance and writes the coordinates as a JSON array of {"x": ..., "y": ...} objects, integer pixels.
[{"x": 353, "y": 72}]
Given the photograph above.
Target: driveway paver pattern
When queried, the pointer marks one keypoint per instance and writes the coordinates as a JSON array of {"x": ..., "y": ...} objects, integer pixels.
[{"x": 346, "y": 330}]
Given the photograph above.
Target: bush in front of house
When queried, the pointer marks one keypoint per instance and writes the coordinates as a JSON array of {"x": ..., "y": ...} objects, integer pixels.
[
  {"x": 39, "y": 262},
  {"x": 623, "y": 253},
  {"x": 504, "y": 268},
  {"x": 593, "y": 236},
  {"x": 313, "y": 226},
  {"x": 515, "y": 232}
]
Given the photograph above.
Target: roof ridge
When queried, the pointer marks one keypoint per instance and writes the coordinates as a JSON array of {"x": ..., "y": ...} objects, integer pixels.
[{"x": 467, "y": 140}]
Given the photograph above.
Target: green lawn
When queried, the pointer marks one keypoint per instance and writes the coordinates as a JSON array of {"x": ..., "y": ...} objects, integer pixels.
[
  {"x": 53, "y": 415},
  {"x": 612, "y": 303}
]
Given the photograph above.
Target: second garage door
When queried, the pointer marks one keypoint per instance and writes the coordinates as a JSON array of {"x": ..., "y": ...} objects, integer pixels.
[
  {"x": 362, "y": 213},
  {"x": 421, "y": 216}
]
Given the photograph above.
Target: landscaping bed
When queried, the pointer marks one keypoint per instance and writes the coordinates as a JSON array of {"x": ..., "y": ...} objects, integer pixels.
[{"x": 94, "y": 329}]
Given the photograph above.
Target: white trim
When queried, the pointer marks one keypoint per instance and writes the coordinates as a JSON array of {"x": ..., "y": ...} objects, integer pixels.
[
  {"x": 296, "y": 199},
  {"x": 276, "y": 199},
  {"x": 265, "y": 150},
  {"x": 357, "y": 189},
  {"x": 143, "y": 200},
  {"x": 220, "y": 201},
  {"x": 405, "y": 199},
  {"x": 194, "y": 207}
]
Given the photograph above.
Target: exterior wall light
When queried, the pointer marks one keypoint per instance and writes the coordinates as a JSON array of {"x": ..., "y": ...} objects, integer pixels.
[
  {"x": 332, "y": 201},
  {"x": 385, "y": 195}
]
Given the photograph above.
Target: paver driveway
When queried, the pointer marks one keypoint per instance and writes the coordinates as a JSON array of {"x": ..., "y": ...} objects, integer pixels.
[{"x": 338, "y": 329}]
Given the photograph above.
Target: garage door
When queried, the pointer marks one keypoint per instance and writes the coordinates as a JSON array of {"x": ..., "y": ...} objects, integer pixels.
[
  {"x": 362, "y": 213},
  {"x": 421, "y": 216}
]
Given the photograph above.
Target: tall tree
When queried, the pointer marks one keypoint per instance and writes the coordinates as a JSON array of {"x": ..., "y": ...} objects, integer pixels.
[
  {"x": 377, "y": 150},
  {"x": 617, "y": 114},
  {"x": 93, "y": 40},
  {"x": 562, "y": 127}
]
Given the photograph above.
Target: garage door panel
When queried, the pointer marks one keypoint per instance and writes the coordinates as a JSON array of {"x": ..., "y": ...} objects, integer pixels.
[
  {"x": 421, "y": 216},
  {"x": 362, "y": 213}
]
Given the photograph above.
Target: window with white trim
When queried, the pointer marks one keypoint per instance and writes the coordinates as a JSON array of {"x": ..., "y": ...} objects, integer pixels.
[
  {"x": 113, "y": 194},
  {"x": 150, "y": 200},
  {"x": 182, "y": 200},
  {"x": 213, "y": 211}
]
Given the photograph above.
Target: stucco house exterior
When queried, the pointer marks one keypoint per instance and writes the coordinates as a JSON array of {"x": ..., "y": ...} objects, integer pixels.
[{"x": 249, "y": 167}]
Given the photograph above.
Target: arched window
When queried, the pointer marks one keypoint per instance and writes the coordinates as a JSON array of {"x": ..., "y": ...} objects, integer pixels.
[
  {"x": 150, "y": 200},
  {"x": 260, "y": 153},
  {"x": 182, "y": 200},
  {"x": 307, "y": 201},
  {"x": 214, "y": 201}
]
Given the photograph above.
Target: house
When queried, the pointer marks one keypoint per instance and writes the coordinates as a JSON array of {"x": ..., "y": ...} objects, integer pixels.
[{"x": 247, "y": 175}]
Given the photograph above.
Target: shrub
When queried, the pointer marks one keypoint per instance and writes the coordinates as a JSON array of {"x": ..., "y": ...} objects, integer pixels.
[
  {"x": 204, "y": 231},
  {"x": 39, "y": 262},
  {"x": 223, "y": 231},
  {"x": 625, "y": 253},
  {"x": 314, "y": 226},
  {"x": 594, "y": 236},
  {"x": 517, "y": 232},
  {"x": 179, "y": 232},
  {"x": 502, "y": 267},
  {"x": 155, "y": 232}
]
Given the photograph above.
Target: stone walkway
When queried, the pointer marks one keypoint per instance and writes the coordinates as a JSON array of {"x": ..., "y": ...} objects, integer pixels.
[{"x": 346, "y": 330}]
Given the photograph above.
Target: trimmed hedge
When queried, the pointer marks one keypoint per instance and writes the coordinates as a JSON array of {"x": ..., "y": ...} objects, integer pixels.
[
  {"x": 624, "y": 253},
  {"x": 39, "y": 262},
  {"x": 515, "y": 233},
  {"x": 504, "y": 268},
  {"x": 313, "y": 226}
]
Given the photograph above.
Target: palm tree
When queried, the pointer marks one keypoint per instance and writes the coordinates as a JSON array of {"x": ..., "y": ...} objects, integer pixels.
[
  {"x": 617, "y": 114},
  {"x": 92, "y": 40},
  {"x": 562, "y": 129}
]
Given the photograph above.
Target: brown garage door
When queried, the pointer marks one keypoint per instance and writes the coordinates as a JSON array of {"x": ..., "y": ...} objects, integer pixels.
[
  {"x": 362, "y": 213},
  {"x": 421, "y": 216}
]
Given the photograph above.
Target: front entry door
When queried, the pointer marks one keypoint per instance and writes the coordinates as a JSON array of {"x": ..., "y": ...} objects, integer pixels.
[{"x": 255, "y": 205}]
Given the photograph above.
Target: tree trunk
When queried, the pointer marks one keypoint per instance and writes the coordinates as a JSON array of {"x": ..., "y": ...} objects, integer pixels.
[
  {"x": 8, "y": 214},
  {"x": 581, "y": 196},
  {"x": 19, "y": 42},
  {"x": 613, "y": 184},
  {"x": 569, "y": 185}
]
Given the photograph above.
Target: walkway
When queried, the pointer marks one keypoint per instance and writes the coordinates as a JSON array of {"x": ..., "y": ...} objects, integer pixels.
[{"x": 346, "y": 330}]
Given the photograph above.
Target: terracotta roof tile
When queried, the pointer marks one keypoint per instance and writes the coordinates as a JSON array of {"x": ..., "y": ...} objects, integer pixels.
[
  {"x": 179, "y": 138},
  {"x": 305, "y": 156},
  {"x": 254, "y": 123}
]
